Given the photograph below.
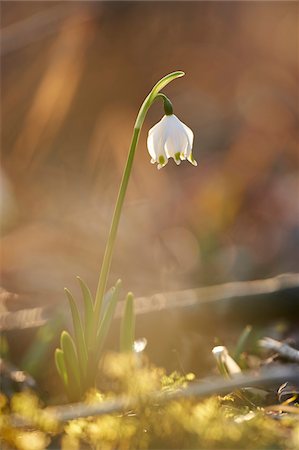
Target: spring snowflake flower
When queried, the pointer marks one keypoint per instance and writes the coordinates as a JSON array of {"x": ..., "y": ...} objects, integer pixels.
[{"x": 170, "y": 138}]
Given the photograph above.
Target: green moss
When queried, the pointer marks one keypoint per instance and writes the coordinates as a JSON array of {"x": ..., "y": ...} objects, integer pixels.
[{"x": 212, "y": 423}]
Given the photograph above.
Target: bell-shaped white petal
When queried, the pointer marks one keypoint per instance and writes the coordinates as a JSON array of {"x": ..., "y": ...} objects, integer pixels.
[{"x": 170, "y": 138}]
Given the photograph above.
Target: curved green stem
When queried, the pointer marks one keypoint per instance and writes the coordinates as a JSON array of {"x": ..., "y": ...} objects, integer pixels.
[
  {"x": 168, "y": 109},
  {"x": 123, "y": 188}
]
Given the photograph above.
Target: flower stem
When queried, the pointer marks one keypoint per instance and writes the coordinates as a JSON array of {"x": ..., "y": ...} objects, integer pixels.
[
  {"x": 114, "y": 225},
  {"x": 122, "y": 192},
  {"x": 168, "y": 109}
]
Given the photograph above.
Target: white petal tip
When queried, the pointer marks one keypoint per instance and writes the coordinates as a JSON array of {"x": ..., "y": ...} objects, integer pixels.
[
  {"x": 192, "y": 160},
  {"x": 153, "y": 161},
  {"x": 160, "y": 166}
]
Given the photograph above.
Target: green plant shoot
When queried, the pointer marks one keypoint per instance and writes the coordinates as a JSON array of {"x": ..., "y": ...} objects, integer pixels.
[{"x": 78, "y": 356}]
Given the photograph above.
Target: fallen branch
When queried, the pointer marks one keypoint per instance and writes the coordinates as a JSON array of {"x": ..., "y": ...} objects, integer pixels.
[
  {"x": 284, "y": 350},
  {"x": 218, "y": 386},
  {"x": 222, "y": 297}
]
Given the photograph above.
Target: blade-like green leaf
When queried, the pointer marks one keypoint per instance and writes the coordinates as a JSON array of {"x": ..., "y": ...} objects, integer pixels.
[
  {"x": 60, "y": 365},
  {"x": 127, "y": 331},
  {"x": 71, "y": 364},
  {"x": 106, "y": 300},
  {"x": 79, "y": 334},
  {"x": 88, "y": 311},
  {"x": 107, "y": 317},
  {"x": 165, "y": 81},
  {"x": 153, "y": 94},
  {"x": 37, "y": 353},
  {"x": 242, "y": 341}
]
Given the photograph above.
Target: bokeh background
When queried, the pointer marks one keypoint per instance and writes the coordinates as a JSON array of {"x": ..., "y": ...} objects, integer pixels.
[{"x": 73, "y": 77}]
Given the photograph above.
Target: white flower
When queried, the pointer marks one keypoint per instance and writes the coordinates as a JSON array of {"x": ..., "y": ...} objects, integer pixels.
[{"x": 170, "y": 138}]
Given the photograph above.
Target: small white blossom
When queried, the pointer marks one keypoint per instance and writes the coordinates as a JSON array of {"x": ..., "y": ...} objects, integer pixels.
[{"x": 170, "y": 138}]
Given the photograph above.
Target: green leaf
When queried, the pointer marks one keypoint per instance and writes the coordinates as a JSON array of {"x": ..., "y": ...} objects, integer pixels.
[
  {"x": 61, "y": 368},
  {"x": 107, "y": 317},
  {"x": 153, "y": 94},
  {"x": 107, "y": 299},
  {"x": 71, "y": 364},
  {"x": 79, "y": 334},
  {"x": 127, "y": 331},
  {"x": 60, "y": 365},
  {"x": 88, "y": 311},
  {"x": 242, "y": 341},
  {"x": 165, "y": 81},
  {"x": 37, "y": 353}
]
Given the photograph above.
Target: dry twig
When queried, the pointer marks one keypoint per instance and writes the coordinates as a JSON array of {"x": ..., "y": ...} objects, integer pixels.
[
  {"x": 279, "y": 347},
  {"x": 218, "y": 386}
]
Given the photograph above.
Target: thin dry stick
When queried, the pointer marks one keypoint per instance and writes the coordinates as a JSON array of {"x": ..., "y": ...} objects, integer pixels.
[
  {"x": 283, "y": 408},
  {"x": 279, "y": 347},
  {"x": 218, "y": 386},
  {"x": 167, "y": 300}
]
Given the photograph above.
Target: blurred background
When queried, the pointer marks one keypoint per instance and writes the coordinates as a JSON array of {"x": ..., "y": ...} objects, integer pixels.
[{"x": 74, "y": 75}]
